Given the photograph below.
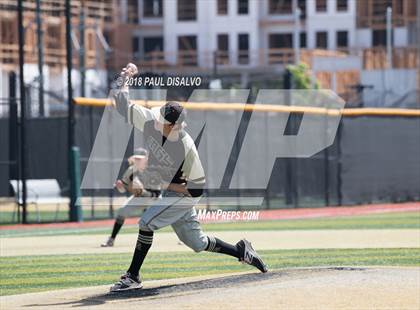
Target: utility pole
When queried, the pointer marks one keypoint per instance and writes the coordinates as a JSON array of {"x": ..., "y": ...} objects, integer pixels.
[
  {"x": 82, "y": 68},
  {"x": 40, "y": 58},
  {"x": 23, "y": 152},
  {"x": 296, "y": 32},
  {"x": 69, "y": 69},
  {"x": 291, "y": 185},
  {"x": 389, "y": 37},
  {"x": 75, "y": 212},
  {"x": 13, "y": 133}
]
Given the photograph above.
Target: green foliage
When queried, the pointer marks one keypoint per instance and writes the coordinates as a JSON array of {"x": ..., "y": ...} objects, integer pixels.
[{"x": 301, "y": 77}]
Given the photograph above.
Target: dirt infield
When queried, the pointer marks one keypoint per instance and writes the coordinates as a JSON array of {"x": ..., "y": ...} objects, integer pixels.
[
  {"x": 264, "y": 240},
  {"x": 304, "y": 288}
]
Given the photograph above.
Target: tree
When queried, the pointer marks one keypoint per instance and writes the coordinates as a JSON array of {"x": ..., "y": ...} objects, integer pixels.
[{"x": 301, "y": 77}]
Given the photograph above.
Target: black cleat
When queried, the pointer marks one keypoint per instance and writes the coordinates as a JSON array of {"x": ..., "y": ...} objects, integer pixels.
[
  {"x": 108, "y": 243},
  {"x": 249, "y": 256},
  {"x": 127, "y": 282}
]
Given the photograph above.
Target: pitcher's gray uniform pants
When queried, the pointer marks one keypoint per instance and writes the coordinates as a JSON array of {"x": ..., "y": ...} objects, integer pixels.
[{"x": 179, "y": 212}]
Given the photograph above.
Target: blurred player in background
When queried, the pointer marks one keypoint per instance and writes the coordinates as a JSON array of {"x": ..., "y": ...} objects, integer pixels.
[
  {"x": 174, "y": 156},
  {"x": 134, "y": 181}
]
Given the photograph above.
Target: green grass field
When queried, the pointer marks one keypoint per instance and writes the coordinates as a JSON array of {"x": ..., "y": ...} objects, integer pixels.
[
  {"x": 25, "y": 274},
  {"x": 40, "y": 273},
  {"x": 9, "y": 218},
  {"x": 372, "y": 221}
]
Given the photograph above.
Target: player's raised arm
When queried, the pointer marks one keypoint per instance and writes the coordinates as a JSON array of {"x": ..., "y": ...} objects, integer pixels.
[{"x": 134, "y": 114}]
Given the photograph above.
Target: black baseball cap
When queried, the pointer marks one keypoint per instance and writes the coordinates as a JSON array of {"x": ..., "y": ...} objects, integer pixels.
[
  {"x": 140, "y": 153},
  {"x": 170, "y": 113}
]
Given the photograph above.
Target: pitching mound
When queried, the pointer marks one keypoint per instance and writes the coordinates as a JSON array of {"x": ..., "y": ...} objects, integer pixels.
[{"x": 304, "y": 288}]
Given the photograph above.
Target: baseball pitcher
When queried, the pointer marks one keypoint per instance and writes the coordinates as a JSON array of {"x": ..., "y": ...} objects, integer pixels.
[{"x": 173, "y": 155}]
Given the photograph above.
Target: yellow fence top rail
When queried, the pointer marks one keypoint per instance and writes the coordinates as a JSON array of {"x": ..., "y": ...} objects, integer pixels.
[{"x": 211, "y": 106}]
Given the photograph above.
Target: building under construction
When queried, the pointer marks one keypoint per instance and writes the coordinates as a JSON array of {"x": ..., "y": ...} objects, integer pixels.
[{"x": 224, "y": 38}]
